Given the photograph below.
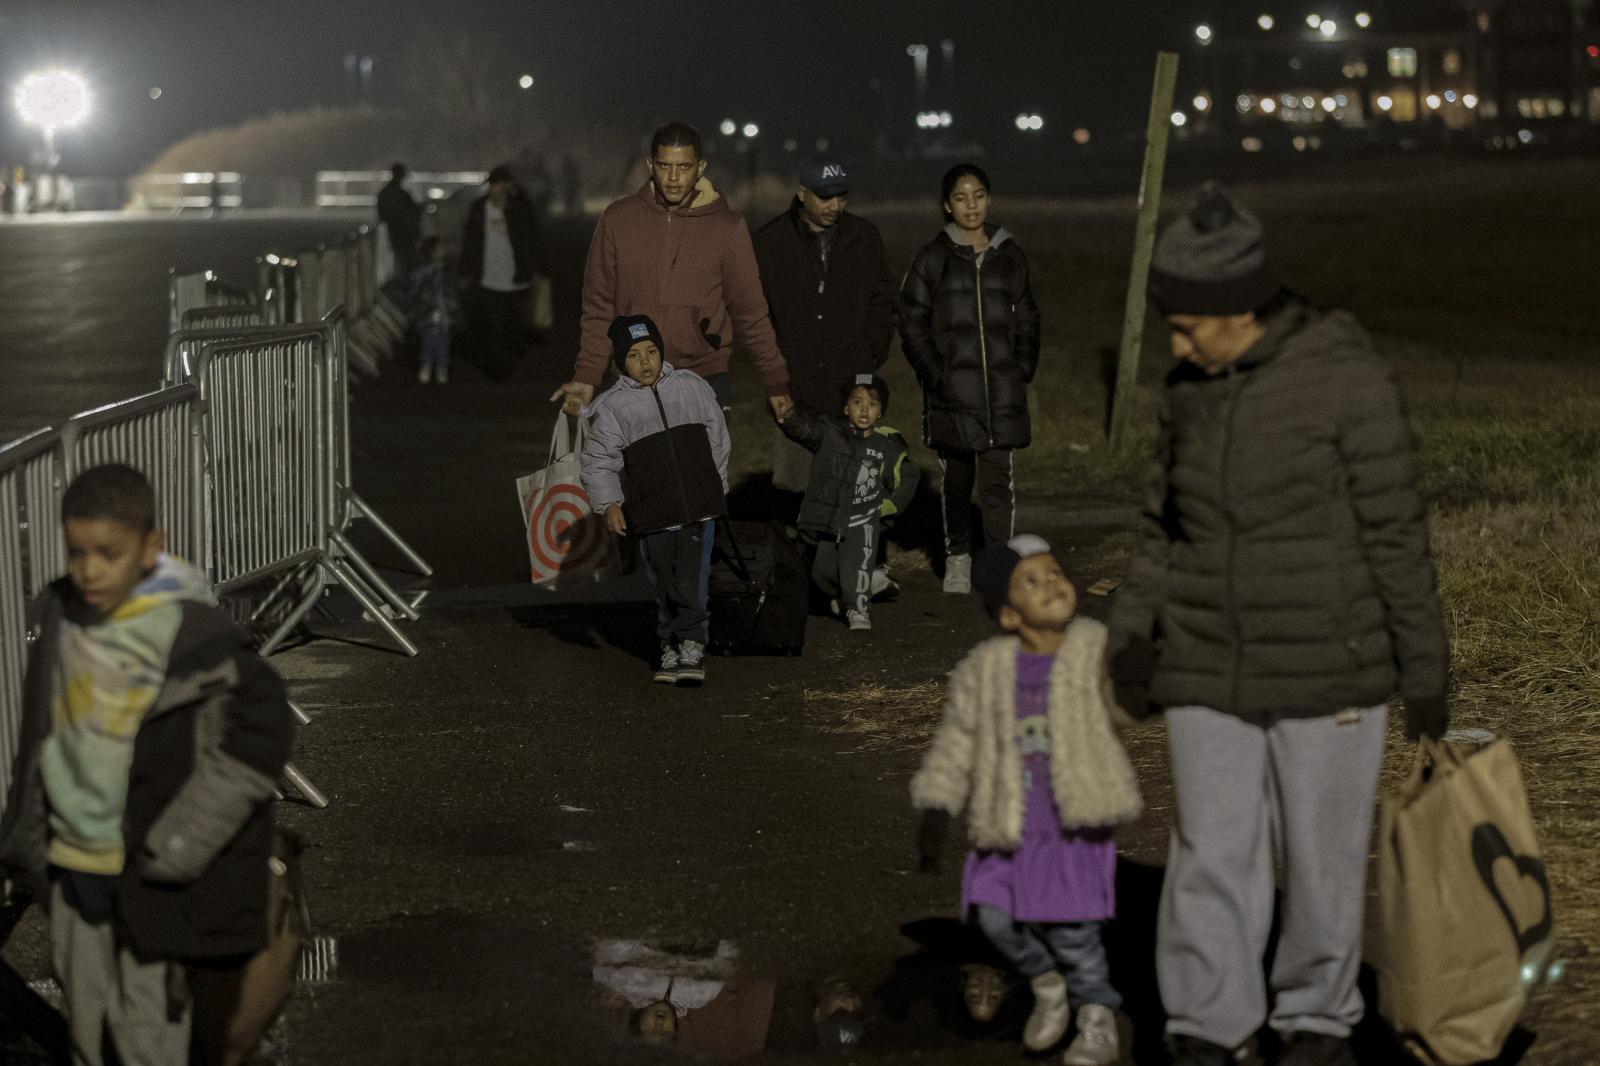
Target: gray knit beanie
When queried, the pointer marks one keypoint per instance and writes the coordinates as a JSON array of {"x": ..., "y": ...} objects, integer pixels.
[{"x": 1212, "y": 260}]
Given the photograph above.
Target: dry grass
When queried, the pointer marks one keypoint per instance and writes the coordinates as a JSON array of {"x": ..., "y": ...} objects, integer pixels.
[{"x": 880, "y": 718}]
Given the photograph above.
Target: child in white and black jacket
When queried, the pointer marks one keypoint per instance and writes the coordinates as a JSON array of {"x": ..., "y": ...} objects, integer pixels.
[
  {"x": 861, "y": 477},
  {"x": 656, "y": 465},
  {"x": 1027, "y": 749}
]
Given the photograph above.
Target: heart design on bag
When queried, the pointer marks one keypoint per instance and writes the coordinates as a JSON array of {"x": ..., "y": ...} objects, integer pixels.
[{"x": 1489, "y": 845}]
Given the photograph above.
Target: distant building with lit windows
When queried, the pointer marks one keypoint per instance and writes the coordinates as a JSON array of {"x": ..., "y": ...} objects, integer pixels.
[{"x": 1426, "y": 67}]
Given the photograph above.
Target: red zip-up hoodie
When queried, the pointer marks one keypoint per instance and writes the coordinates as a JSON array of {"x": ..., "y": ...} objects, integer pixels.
[{"x": 693, "y": 270}]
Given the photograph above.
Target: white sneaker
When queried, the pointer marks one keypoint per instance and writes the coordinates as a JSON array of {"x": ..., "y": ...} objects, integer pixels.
[
  {"x": 859, "y": 621},
  {"x": 424, "y": 373},
  {"x": 1097, "y": 1043},
  {"x": 443, "y": 376},
  {"x": 691, "y": 663},
  {"x": 1048, "y": 1022},
  {"x": 958, "y": 573},
  {"x": 667, "y": 667}
]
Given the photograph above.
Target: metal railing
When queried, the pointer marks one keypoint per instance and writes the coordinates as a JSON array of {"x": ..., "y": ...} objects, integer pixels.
[
  {"x": 27, "y": 510},
  {"x": 201, "y": 289}
]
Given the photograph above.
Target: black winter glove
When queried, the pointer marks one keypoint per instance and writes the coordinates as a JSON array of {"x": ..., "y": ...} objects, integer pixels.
[
  {"x": 1131, "y": 667},
  {"x": 1427, "y": 717},
  {"x": 931, "y": 832}
]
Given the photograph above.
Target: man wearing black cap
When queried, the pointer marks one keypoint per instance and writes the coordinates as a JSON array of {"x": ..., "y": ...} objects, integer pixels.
[
  {"x": 831, "y": 297},
  {"x": 1282, "y": 590},
  {"x": 500, "y": 253}
]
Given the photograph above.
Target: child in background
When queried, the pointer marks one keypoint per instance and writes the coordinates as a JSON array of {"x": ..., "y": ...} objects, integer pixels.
[
  {"x": 435, "y": 309},
  {"x": 656, "y": 465},
  {"x": 1027, "y": 747},
  {"x": 141, "y": 801},
  {"x": 862, "y": 476}
]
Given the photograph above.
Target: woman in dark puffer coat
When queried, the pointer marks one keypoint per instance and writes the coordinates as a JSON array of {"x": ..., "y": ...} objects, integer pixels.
[{"x": 970, "y": 329}]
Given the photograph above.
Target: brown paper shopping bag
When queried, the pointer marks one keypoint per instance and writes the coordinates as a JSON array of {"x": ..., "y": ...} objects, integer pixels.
[{"x": 1464, "y": 904}]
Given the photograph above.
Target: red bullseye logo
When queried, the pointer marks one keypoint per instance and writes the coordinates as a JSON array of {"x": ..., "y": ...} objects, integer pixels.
[{"x": 564, "y": 535}]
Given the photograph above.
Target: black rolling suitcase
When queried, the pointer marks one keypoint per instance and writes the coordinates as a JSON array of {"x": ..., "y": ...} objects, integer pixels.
[{"x": 760, "y": 591}]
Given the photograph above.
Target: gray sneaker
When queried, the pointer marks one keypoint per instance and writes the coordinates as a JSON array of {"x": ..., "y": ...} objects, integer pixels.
[
  {"x": 667, "y": 667},
  {"x": 691, "y": 663},
  {"x": 882, "y": 583},
  {"x": 860, "y": 621},
  {"x": 958, "y": 574}
]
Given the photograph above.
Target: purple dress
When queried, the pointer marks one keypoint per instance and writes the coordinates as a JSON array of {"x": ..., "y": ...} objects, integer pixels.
[{"x": 1057, "y": 875}]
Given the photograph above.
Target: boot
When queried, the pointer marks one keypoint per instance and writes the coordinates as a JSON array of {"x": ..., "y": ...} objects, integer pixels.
[
  {"x": 1097, "y": 1043},
  {"x": 1048, "y": 1022}
]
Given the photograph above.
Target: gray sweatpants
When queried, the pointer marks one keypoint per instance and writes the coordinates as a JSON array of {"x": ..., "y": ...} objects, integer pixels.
[
  {"x": 843, "y": 567},
  {"x": 106, "y": 987},
  {"x": 1307, "y": 787}
]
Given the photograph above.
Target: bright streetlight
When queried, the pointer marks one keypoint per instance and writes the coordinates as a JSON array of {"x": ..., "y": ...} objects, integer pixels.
[
  {"x": 1203, "y": 33},
  {"x": 1433, "y": 101},
  {"x": 1363, "y": 19},
  {"x": 1179, "y": 118},
  {"x": 526, "y": 81},
  {"x": 1268, "y": 105},
  {"x": 1202, "y": 102},
  {"x": 1313, "y": 21},
  {"x": 728, "y": 127},
  {"x": 1469, "y": 101},
  {"x": 52, "y": 100},
  {"x": 750, "y": 129},
  {"x": 1266, "y": 22},
  {"x": 1030, "y": 123},
  {"x": 1328, "y": 27},
  {"x": 1385, "y": 102}
]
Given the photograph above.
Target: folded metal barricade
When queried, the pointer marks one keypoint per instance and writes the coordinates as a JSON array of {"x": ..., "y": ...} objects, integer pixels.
[
  {"x": 28, "y": 559},
  {"x": 163, "y": 435},
  {"x": 387, "y": 320},
  {"x": 278, "y": 282}
]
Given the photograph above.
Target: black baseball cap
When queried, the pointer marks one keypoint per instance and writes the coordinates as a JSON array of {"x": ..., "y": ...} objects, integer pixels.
[{"x": 825, "y": 176}]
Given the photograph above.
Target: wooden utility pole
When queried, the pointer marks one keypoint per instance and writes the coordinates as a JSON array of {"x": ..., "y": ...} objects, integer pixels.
[{"x": 1157, "y": 131}]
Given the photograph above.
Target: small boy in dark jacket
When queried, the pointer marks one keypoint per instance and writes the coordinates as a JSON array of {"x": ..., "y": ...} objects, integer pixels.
[
  {"x": 435, "y": 309},
  {"x": 655, "y": 464},
  {"x": 862, "y": 476},
  {"x": 141, "y": 798}
]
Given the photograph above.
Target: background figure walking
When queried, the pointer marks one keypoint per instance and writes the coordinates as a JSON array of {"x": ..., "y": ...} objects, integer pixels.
[
  {"x": 402, "y": 217},
  {"x": 500, "y": 253},
  {"x": 435, "y": 310},
  {"x": 970, "y": 329}
]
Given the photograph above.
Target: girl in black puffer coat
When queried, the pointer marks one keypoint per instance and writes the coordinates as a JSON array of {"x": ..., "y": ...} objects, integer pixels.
[{"x": 970, "y": 329}]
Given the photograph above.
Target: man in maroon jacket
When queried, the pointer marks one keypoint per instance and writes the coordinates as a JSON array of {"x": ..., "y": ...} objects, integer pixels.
[{"x": 675, "y": 251}]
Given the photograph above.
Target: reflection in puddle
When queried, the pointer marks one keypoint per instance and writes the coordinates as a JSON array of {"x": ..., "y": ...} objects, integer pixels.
[{"x": 692, "y": 997}]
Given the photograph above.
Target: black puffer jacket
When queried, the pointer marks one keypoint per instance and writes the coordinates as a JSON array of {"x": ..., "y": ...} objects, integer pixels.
[
  {"x": 840, "y": 450},
  {"x": 1283, "y": 566},
  {"x": 970, "y": 329}
]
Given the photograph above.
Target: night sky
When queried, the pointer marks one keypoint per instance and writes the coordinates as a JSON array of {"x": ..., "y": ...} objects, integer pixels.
[{"x": 800, "y": 69}]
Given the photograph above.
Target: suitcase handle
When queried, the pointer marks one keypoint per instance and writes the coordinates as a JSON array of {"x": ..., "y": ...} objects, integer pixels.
[{"x": 735, "y": 557}]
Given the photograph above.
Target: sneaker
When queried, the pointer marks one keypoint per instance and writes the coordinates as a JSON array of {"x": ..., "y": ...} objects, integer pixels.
[
  {"x": 1317, "y": 1049},
  {"x": 1048, "y": 1022},
  {"x": 1192, "y": 1051},
  {"x": 691, "y": 662},
  {"x": 424, "y": 373},
  {"x": 667, "y": 669},
  {"x": 882, "y": 583},
  {"x": 834, "y": 609},
  {"x": 860, "y": 621},
  {"x": 1097, "y": 1043},
  {"x": 958, "y": 573},
  {"x": 442, "y": 375}
]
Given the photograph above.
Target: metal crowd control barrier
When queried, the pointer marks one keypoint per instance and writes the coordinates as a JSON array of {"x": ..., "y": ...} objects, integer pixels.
[
  {"x": 278, "y": 282},
  {"x": 202, "y": 289},
  {"x": 27, "y": 522},
  {"x": 159, "y": 435},
  {"x": 251, "y": 314},
  {"x": 270, "y": 412}
]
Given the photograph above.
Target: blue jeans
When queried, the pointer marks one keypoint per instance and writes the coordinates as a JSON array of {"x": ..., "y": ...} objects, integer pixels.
[
  {"x": 436, "y": 347},
  {"x": 1036, "y": 949}
]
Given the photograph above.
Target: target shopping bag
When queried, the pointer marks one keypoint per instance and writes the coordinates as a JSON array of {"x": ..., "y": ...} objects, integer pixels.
[{"x": 567, "y": 541}]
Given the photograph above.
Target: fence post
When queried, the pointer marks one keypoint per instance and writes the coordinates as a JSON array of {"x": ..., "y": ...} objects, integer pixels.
[{"x": 1157, "y": 131}]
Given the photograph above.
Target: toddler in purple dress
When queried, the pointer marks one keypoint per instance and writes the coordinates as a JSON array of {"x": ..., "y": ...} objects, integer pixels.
[{"x": 1028, "y": 750}]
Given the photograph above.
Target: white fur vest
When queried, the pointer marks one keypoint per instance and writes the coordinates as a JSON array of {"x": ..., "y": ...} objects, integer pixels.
[{"x": 975, "y": 763}]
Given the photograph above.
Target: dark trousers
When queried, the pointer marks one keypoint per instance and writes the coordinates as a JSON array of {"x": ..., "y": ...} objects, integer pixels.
[
  {"x": 679, "y": 564},
  {"x": 499, "y": 326},
  {"x": 843, "y": 567},
  {"x": 990, "y": 473}
]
